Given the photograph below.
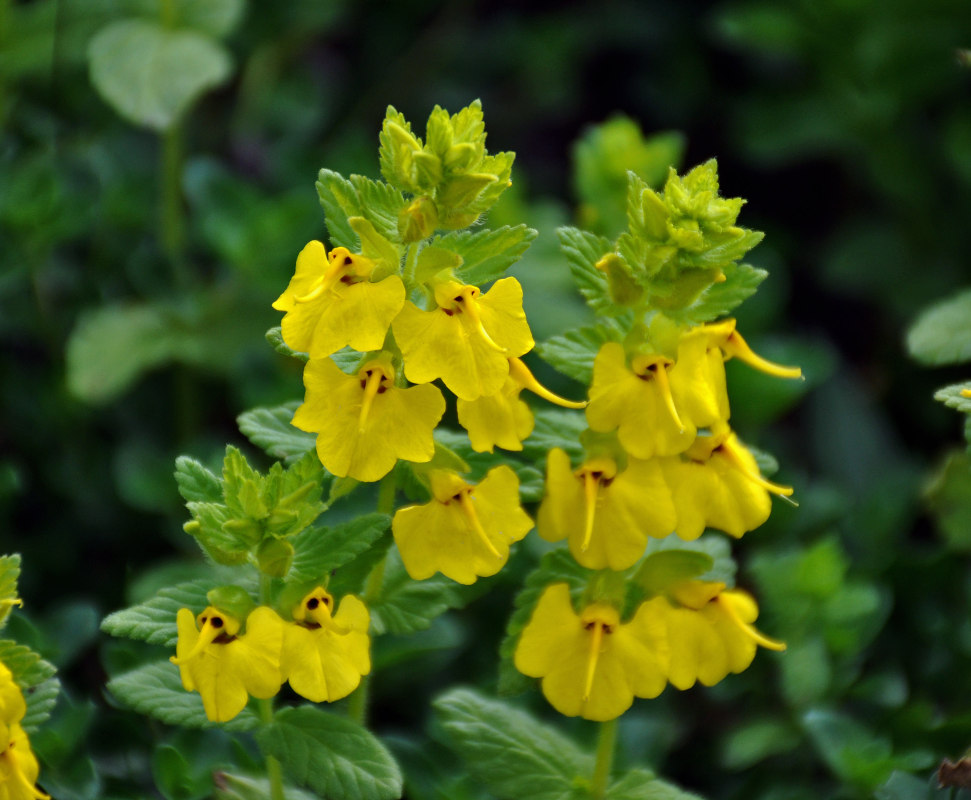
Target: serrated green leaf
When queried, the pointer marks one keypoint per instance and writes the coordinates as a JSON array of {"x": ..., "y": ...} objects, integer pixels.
[
  {"x": 555, "y": 427},
  {"x": 583, "y": 250},
  {"x": 573, "y": 352},
  {"x": 557, "y": 566},
  {"x": 332, "y": 755},
  {"x": 952, "y": 397},
  {"x": 156, "y": 690},
  {"x": 724, "y": 253},
  {"x": 269, "y": 429},
  {"x": 319, "y": 550},
  {"x": 509, "y": 751},
  {"x": 41, "y": 700},
  {"x": 487, "y": 254},
  {"x": 150, "y": 74},
  {"x": 27, "y": 667},
  {"x": 641, "y": 784},
  {"x": 9, "y": 575},
  {"x": 405, "y": 605},
  {"x": 154, "y": 620},
  {"x": 275, "y": 337},
  {"x": 741, "y": 282},
  {"x": 381, "y": 204},
  {"x": 352, "y": 577},
  {"x": 942, "y": 333},
  {"x": 852, "y": 751},
  {"x": 343, "y": 198},
  {"x": 196, "y": 483}
]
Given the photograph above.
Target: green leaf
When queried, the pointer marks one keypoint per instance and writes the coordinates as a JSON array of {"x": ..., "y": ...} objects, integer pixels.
[
  {"x": 41, "y": 700},
  {"x": 509, "y": 751},
  {"x": 269, "y": 429},
  {"x": 949, "y": 499},
  {"x": 712, "y": 546},
  {"x": 343, "y": 198},
  {"x": 26, "y": 666},
  {"x": 154, "y": 620},
  {"x": 555, "y": 427},
  {"x": 9, "y": 575},
  {"x": 156, "y": 690},
  {"x": 405, "y": 605},
  {"x": 111, "y": 346},
  {"x": 275, "y": 337},
  {"x": 942, "y": 333},
  {"x": 951, "y": 397},
  {"x": 583, "y": 250},
  {"x": 196, "y": 483},
  {"x": 659, "y": 570},
  {"x": 352, "y": 577},
  {"x": 741, "y": 282},
  {"x": 573, "y": 352},
  {"x": 753, "y": 742},
  {"x": 35, "y": 676},
  {"x": 151, "y": 75},
  {"x": 319, "y": 550},
  {"x": 244, "y": 787},
  {"x": 853, "y": 752},
  {"x": 487, "y": 254},
  {"x": 331, "y": 755},
  {"x": 557, "y": 566},
  {"x": 642, "y": 784}
]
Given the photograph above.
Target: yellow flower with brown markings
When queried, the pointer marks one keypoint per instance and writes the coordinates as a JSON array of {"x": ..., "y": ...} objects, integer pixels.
[
  {"x": 591, "y": 664},
  {"x": 466, "y": 529}
]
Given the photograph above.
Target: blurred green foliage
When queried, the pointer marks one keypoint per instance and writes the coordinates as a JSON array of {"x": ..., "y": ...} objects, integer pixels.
[{"x": 144, "y": 235}]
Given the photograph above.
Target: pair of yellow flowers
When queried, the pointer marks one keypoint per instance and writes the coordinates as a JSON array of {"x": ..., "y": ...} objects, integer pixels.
[
  {"x": 18, "y": 764},
  {"x": 322, "y": 653},
  {"x": 593, "y": 665}
]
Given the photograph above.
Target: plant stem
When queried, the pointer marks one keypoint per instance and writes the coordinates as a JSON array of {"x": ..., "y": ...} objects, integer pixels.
[
  {"x": 273, "y": 771},
  {"x": 172, "y": 222},
  {"x": 605, "y": 757},
  {"x": 358, "y": 701}
]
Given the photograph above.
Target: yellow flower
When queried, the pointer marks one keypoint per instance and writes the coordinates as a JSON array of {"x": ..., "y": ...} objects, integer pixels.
[
  {"x": 592, "y": 664},
  {"x": 326, "y": 653},
  {"x": 331, "y": 303},
  {"x": 716, "y": 483},
  {"x": 653, "y": 402},
  {"x": 502, "y": 419},
  {"x": 724, "y": 336},
  {"x": 709, "y": 631},
  {"x": 18, "y": 764},
  {"x": 466, "y": 530},
  {"x": 467, "y": 340},
  {"x": 605, "y": 514},
  {"x": 224, "y": 666},
  {"x": 364, "y": 422}
]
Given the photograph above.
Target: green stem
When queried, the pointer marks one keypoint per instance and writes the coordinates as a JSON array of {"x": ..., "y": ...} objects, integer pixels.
[
  {"x": 605, "y": 757},
  {"x": 411, "y": 264},
  {"x": 171, "y": 218},
  {"x": 358, "y": 701},
  {"x": 273, "y": 770}
]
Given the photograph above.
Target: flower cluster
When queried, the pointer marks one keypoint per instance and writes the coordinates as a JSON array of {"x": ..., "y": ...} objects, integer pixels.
[
  {"x": 383, "y": 317},
  {"x": 228, "y": 656},
  {"x": 659, "y": 460}
]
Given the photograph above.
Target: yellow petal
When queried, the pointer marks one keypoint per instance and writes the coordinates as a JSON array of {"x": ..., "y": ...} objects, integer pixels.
[
  {"x": 357, "y": 316},
  {"x": 698, "y": 380},
  {"x": 12, "y": 703},
  {"x": 311, "y": 265},
  {"x": 326, "y": 664},
  {"x": 497, "y": 420},
  {"x": 399, "y": 423},
  {"x": 634, "y": 505},
  {"x": 636, "y": 407},
  {"x": 439, "y": 536}
]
